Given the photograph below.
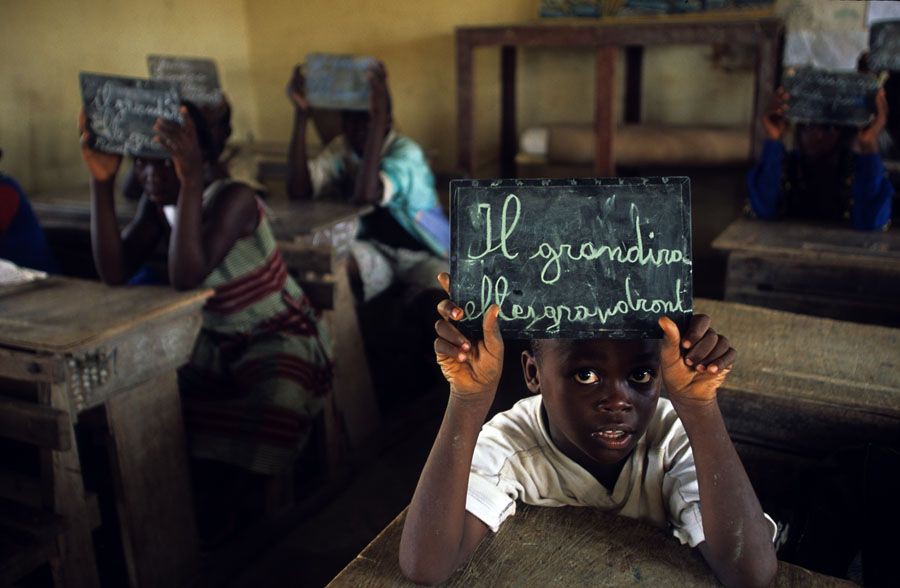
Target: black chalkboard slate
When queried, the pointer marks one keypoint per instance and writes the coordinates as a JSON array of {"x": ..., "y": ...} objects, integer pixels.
[
  {"x": 337, "y": 82},
  {"x": 585, "y": 258},
  {"x": 121, "y": 112},
  {"x": 197, "y": 78},
  {"x": 836, "y": 98},
  {"x": 884, "y": 46}
]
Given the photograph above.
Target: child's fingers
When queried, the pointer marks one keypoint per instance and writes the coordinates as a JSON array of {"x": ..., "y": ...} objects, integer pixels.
[
  {"x": 722, "y": 347},
  {"x": 450, "y": 333},
  {"x": 726, "y": 362},
  {"x": 444, "y": 280},
  {"x": 493, "y": 340},
  {"x": 701, "y": 348},
  {"x": 448, "y": 310},
  {"x": 697, "y": 327},
  {"x": 446, "y": 349},
  {"x": 671, "y": 353}
]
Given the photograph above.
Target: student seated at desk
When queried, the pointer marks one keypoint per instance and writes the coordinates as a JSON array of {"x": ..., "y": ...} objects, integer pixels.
[
  {"x": 260, "y": 367},
  {"x": 834, "y": 174},
  {"x": 407, "y": 238},
  {"x": 594, "y": 434},
  {"x": 22, "y": 240}
]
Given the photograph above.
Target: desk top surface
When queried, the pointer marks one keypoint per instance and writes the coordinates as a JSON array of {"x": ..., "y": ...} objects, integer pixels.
[
  {"x": 812, "y": 242},
  {"x": 782, "y": 354},
  {"x": 61, "y": 315},
  {"x": 567, "y": 546}
]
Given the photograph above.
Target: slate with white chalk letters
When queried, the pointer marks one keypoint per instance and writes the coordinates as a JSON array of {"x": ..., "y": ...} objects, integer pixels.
[
  {"x": 832, "y": 98},
  {"x": 580, "y": 258}
]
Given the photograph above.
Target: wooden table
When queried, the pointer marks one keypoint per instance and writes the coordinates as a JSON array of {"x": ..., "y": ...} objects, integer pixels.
[
  {"x": 803, "y": 387},
  {"x": 567, "y": 546},
  {"x": 605, "y": 37},
  {"x": 89, "y": 351},
  {"x": 823, "y": 270}
]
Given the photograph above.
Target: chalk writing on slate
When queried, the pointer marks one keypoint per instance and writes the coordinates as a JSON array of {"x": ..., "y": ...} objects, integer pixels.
[
  {"x": 197, "y": 78},
  {"x": 585, "y": 258},
  {"x": 121, "y": 112},
  {"x": 838, "y": 98},
  {"x": 884, "y": 46},
  {"x": 337, "y": 81}
]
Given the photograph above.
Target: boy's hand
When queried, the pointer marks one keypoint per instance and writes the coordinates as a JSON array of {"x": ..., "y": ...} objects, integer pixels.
[
  {"x": 378, "y": 92},
  {"x": 694, "y": 367},
  {"x": 473, "y": 371},
  {"x": 774, "y": 121},
  {"x": 103, "y": 167},
  {"x": 180, "y": 140},
  {"x": 867, "y": 138},
  {"x": 296, "y": 91}
]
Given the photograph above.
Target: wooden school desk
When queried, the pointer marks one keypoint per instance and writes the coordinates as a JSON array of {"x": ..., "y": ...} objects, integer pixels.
[
  {"x": 567, "y": 546},
  {"x": 74, "y": 350},
  {"x": 803, "y": 387},
  {"x": 824, "y": 270},
  {"x": 605, "y": 37}
]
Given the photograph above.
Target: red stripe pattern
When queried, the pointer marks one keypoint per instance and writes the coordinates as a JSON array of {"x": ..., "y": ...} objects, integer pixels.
[{"x": 250, "y": 288}]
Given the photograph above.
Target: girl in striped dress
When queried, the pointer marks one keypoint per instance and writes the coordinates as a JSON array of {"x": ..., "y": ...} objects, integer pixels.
[{"x": 261, "y": 365}]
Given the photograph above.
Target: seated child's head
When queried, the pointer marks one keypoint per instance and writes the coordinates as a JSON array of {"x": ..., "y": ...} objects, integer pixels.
[
  {"x": 355, "y": 126},
  {"x": 818, "y": 141},
  {"x": 599, "y": 394},
  {"x": 158, "y": 177},
  {"x": 218, "y": 120}
]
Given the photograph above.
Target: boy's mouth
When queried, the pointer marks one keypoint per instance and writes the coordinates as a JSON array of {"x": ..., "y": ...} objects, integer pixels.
[{"x": 612, "y": 438}]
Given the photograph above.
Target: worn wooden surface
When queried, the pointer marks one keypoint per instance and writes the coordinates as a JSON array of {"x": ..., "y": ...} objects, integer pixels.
[
  {"x": 763, "y": 33},
  {"x": 62, "y": 315},
  {"x": 41, "y": 426},
  {"x": 826, "y": 270},
  {"x": 568, "y": 546},
  {"x": 290, "y": 219}
]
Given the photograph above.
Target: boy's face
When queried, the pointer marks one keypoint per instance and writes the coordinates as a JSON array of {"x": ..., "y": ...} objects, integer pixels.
[
  {"x": 159, "y": 180},
  {"x": 599, "y": 394},
  {"x": 817, "y": 141}
]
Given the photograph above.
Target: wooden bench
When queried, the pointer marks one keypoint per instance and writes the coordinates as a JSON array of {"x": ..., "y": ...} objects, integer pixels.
[
  {"x": 73, "y": 351},
  {"x": 824, "y": 270},
  {"x": 567, "y": 546}
]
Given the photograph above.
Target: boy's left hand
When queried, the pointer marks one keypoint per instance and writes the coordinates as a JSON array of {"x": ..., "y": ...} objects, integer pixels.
[
  {"x": 180, "y": 140},
  {"x": 378, "y": 92},
  {"x": 695, "y": 366}
]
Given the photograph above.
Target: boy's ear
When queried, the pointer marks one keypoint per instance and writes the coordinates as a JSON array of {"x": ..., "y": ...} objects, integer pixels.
[{"x": 530, "y": 372}]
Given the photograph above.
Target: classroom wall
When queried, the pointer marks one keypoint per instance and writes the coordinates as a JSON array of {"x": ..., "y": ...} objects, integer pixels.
[
  {"x": 415, "y": 40},
  {"x": 45, "y": 43}
]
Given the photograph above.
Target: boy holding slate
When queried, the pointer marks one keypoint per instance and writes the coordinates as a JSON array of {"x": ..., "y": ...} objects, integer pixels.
[
  {"x": 590, "y": 271},
  {"x": 406, "y": 238},
  {"x": 835, "y": 174}
]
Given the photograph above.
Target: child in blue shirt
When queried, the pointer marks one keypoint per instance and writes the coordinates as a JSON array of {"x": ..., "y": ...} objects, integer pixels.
[{"x": 834, "y": 174}]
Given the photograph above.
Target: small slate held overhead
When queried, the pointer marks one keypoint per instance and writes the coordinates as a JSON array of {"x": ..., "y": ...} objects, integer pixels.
[
  {"x": 338, "y": 82},
  {"x": 121, "y": 112},
  {"x": 197, "y": 78},
  {"x": 884, "y": 46},
  {"x": 577, "y": 258},
  {"x": 832, "y": 98}
]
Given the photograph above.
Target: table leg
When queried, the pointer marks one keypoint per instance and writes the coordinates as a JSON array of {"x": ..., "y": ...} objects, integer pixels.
[
  {"x": 149, "y": 461},
  {"x": 604, "y": 111},
  {"x": 508, "y": 142},
  {"x": 77, "y": 566},
  {"x": 465, "y": 94}
]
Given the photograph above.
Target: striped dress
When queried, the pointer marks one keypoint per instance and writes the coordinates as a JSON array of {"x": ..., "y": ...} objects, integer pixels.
[{"x": 261, "y": 368}]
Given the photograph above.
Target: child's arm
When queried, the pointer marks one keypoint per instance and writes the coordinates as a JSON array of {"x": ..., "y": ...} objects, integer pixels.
[
  {"x": 368, "y": 187},
  {"x": 197, "y": 245},
  {"x": 116, "y": 255},
  {"x": 872, "y": 192},
  {"x": 764, "y": 180},
  {"x": 299, "y": 185},
  {"x": 439, "y": 534},
  {"x": 738, "y": 541}
]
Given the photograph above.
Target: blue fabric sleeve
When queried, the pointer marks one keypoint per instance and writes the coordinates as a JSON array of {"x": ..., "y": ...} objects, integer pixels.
[
  {"x": 872, "y": 194},
  {"x": 764, "y": 180}
]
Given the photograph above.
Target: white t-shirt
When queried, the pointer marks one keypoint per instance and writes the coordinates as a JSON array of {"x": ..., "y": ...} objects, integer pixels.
[{"x": 516, "y": 460}]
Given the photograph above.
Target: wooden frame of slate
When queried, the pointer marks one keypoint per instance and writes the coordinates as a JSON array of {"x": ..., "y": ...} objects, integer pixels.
[
  {"x": 197, "y": 78},
  {"x": 578, "y": 259},
  {"x": 884, "y": 46},
  {"x": 337, "y": 82},
  {"x": 121, "y": 112},
  {"x": 836, "y": 98}
]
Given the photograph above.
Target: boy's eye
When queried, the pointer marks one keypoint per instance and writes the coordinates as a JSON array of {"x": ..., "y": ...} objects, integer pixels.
[
  {"x": 642, "y": 376},
  {"x": 586, "y": 377}
]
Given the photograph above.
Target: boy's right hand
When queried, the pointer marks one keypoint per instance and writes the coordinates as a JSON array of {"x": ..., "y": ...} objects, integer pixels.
[
  {"x": 103, "y": 167},
  {"x": 775, "y": 122},
  {"x": 296, "y": 91},
  {"x": 473, "y": 371}
]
